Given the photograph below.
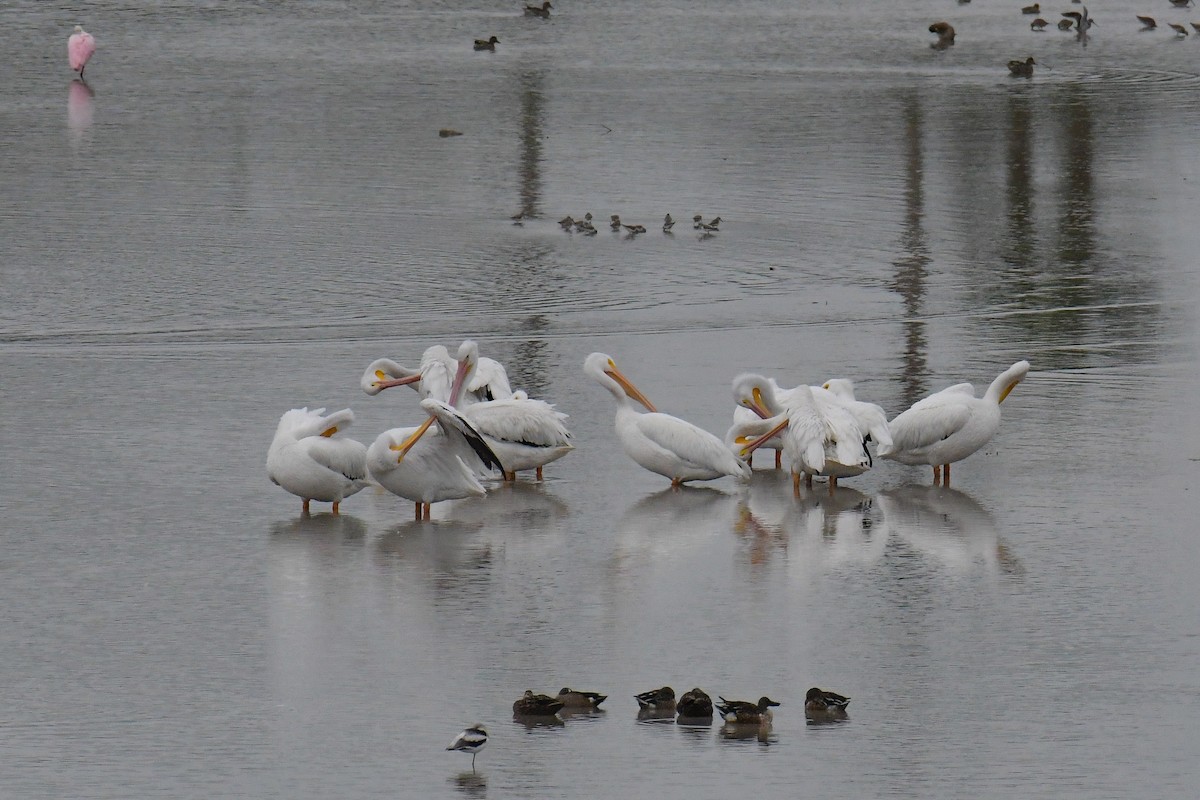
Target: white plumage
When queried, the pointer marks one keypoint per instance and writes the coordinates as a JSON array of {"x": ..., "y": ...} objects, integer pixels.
[
  {"x": 471, "y": 740},
  {"x": 951, "y": 424},
  {"x": 430, "y": 468},
  {"x": 661, "y": 443},
  {"x": 308, "y": 459}
]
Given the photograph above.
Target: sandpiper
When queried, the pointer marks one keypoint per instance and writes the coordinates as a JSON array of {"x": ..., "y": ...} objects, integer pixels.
[
  {"x": 697, "y": 221},
  {"x": 1179, "y": 29},
  {"x": 668, "y": 223},
  {"x": 1038, "y": 24},
  {"x": 1147, "y": 22},
  {"x": 614, "y": 222},
  {"x": 944, "y": 31},
  {"x": 1065, "y": 24}
]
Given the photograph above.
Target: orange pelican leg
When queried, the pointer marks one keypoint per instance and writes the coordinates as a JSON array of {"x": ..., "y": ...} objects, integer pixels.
[
  {"x": 808, "y": 481},
  {"x": 418, "y": 511},
  {"x": 937, "y": 475},
  {"x": 305, "y": 511},
  {"x": 778, "y": 459},
  {"x": 335, "y": 509},
  {"x": 945, "y": 475},
  {"x": 429, "y": 511},
  {"x": 796, "y": 484},
  {"x": 539, "y": 473},
  {"x": 509, "y": 477}
]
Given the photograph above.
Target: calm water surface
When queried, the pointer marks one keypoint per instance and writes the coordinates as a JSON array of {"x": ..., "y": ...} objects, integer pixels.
[{"x": 249, "y": 202}]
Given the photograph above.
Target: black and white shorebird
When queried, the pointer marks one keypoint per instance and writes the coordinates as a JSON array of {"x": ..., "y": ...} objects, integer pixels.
[
  {"x": 471, "y": 740},
  {"x": 668, "y": 223}
]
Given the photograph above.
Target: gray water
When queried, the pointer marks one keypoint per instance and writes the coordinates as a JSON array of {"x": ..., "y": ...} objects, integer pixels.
[{"x": 249, "y": 202}]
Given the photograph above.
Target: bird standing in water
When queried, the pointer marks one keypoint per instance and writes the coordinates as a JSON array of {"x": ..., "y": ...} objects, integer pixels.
[
  {"x": 471, "y": 740},
  {"x": 80, "y": 47}
]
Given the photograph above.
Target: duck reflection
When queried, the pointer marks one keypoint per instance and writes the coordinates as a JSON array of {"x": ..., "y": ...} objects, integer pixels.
[
  {"x": 949, "y": 527},
  {"x": 733, "y": 732},
  {"x": 533, "y": 722},
  {"x": 656, "y": 716},
  {"x": 470, "y": 783}
]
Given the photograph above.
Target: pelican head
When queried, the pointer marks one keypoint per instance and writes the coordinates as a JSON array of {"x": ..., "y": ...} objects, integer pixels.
[
  {"x": 842, "y": 387},
  {"x": 756, "y": 393},
  {"x": 602, "y": 368},
  {"x": 383, "y": 373},
  {"x": 1007, "y": 381},
  {"x": 468, "y": 360}
]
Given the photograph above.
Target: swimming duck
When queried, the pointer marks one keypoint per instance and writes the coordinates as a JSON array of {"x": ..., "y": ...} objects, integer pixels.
[
  {"x": 944, "y": 31},
  {"x": 1038, "y": 24},
  {"x": 542, "y": 11},
  {"x": 486, "y": 44},
  {"x": 573, "y": 699},
  {"x": 1036, "y": 8},
  {"x": 818, "y": 702},
  {"x": 695, "y": 704},
  {"x": 659, "y": 699},
  {"x": 537, "y": 705},
  {"x": 745, "y": 713},
  {"x": 1022, "y": 69}
]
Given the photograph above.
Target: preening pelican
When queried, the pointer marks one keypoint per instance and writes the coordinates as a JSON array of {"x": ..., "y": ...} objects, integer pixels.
[
  {"x": 429, "y": 469},
  {"x": 870, "y": 417},
  {"x": 660, "y": 442},
  {"x": 307, "y": 460},
  {"x": 951, "y": 424},
  {"x": 524, "y": 433},
  {"x": 817, "y": 439}
]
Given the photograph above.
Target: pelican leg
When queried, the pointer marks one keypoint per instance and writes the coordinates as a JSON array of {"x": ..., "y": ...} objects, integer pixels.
[
  {"x": 808, "y": 481},
  {"x": 539, "y": 473},
  {"x": 778, "y": 459},
  {"x": 428, "y": 510},
  {"x": 335, "y": 508},
  {"x": 945, "y": 475},
  {"x": 305, "y": 507},
  {"x": 676, "y": 483},
  {"x": 795, "y": 484},
  {"x": 418, "y": 511},
  {"x": 937, "y": 475},
  {"x": 510, "y": 477},
  {"x": 832, "y": 484}
]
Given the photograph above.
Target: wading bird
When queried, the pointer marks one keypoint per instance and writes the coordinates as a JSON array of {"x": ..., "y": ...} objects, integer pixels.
[
  {"x": 80, "y": 47},
  {"x": 471, "y": 740},
  {"x": 307, "y": 460}
]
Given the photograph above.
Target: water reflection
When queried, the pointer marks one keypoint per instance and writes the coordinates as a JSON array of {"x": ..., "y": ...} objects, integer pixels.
[
  {"x": 523, "y": 505},
  {"x": 763, "y": 734},
  {"x": 913, "y": 264},
  {"x": 949, "y": 528},
  {"x": 665, "y": 524},
  {"x": 532, "y": 113},
  {"x": 472, "y": 784},
  {"x": 320, "y": 532},
  {"x": 79, "y": 112}
]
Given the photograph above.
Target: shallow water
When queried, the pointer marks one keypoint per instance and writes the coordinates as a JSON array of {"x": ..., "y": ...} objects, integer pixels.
[{"x": 247, "y": 203}]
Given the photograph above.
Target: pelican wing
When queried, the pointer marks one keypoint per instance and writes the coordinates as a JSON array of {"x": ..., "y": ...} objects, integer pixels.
[
  {"x": 526, "y": 421},
  {"x": 459, "y": 429},
  {"x": 490, "y": 381},
  {"x": 928, "y": 422},
  {"x": 343, "y": 456},
  {"x": 686, "y": 441}
]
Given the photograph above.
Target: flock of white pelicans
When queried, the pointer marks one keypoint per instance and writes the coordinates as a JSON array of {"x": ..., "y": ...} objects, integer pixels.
[{"x": 475, "y": 422}]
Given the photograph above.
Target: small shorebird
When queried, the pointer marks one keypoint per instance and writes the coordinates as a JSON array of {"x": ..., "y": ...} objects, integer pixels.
[
  {"x": 487, "y": 44},
  {"x": 828, "y": 704},
  {"x": 1082, "y": 20},
  {"x": 542, "y": 11},
  {"x": 536, "y": 705},
  {"x": 742, "y": 712},
  {"x": 1065, "y": 24},
  {"x": 1036, "y": 8},
  {"x": 471, "y": 740},
  {"x": 614, "y": 222},
  {"x": 567, "y": 222},
  {"x": 713, "y": 224},
  {"x": 1147, "y": 22},
  {"x": 573, "y": 699},
  {"x": 668, "y": 223},
  {"x": 1181, "y": 3},
  {"x": 1038, "y": 24},
  {"x": 634, "y": 230},
  {"x": 697, "y": 222},
  {"x": 585, "y": 223},
  {"x": 1022, "y": 69},
  {"x": 657, "y": 699},
  {"x": 1179, "y": 29},
  {"x": 1196, "y": 25},
  {"x": 695, "y": 704}
]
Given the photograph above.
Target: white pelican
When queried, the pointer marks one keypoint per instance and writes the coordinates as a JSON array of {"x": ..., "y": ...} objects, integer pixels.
[
  {"x": 870, "y": 417},
  {"x": 951, "y": 424},
  {"x": 307, "y": 460},
  {"x": 660, "y": 442},
  {"x": 524, "y": 433},
  {"x": 435, "y": 377},
  {"x": 819, "y": 438},
  {"x": 430, "y": 469},
  {"x": 748, "y": 393}
]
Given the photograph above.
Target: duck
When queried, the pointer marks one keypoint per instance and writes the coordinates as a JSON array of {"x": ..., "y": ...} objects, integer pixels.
[
  {"x": 1036, "y": 8},
  {"x": 820, "y": 702},
  {"x": 571, "y": 698},
  {"x": 536, "y": 705},
  {"x": 1148, "y": 23},
  {"x": 1022, "y": 69},
  {"x": 694, "y": 704},
  {"x": 944, "y": 31},
  {"x": 1038, "y": 24},
  {"x": 950, "y": 425},
  {"x": 542, "y": 11},
  {"x": 658, "y": 699},
  {"x": 487, "y": 44},
  {"x": 741, "y": 712},
  {"x": 307, "y": 460}
]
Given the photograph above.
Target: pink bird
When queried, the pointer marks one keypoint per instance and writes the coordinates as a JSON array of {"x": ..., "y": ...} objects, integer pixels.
[{"x": 80, "y": 47}]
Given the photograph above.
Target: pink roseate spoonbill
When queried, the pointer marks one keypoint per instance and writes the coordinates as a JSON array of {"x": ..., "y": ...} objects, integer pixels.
[
  {"x": 80, "y": 48},
  {"x": 951, "y": 424},
  {"x": 306, "y": 460},
  {"x": 661, "y": 443}
]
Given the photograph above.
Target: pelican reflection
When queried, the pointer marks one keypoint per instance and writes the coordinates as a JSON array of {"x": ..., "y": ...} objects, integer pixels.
[
  {"x": 671, "y": 522},
  {"x": 949, "y": 527}
]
